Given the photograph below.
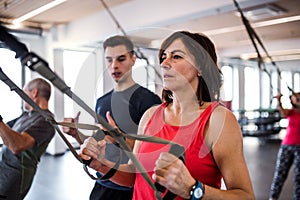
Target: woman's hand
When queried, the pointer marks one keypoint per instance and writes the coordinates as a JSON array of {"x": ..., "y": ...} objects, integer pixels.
[
  {"x": 172, "y": 173},
  {"x": 91, "y": 149}
]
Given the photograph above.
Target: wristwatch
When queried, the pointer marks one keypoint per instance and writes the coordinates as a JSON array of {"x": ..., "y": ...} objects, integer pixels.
[
  {"x": 1, "y": 118},
  {"x": 197, "y": 191}
]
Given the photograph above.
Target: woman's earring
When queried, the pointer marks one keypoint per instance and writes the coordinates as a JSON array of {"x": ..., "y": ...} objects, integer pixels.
[{"x": 199, "y": 74}]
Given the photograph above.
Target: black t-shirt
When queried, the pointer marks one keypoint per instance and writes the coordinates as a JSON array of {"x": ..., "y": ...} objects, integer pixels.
[{"x": 126, "y": 108}]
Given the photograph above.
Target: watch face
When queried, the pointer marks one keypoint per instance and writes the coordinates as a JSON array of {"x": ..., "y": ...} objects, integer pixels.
[{"x": 198, "y": 193}]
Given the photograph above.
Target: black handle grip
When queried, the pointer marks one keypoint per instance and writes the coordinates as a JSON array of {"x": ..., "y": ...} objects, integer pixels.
[
  {"x": 177, "y": 151},
  {"x": 87, "y": 162}
]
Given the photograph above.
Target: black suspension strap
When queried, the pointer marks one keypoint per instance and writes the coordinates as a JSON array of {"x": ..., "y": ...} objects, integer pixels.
[
  {"x": 50, "y": 118},
  {"x": 175, "y": 149},
  {"x": 25, "y": 97},
  {"x": 35, "y": 63},
  {"x": 254, "y": 37},
  {"x": 139, "y": 53}
]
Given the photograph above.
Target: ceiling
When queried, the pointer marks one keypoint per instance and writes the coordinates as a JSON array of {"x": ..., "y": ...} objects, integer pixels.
[
  {"x": 66, "y": 12},
  {"x": 219, "y": 20}
]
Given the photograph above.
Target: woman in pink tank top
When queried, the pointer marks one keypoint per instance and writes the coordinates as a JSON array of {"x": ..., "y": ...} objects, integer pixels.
[
  {"x": 192, "y": 117},
  {"x": 289, "y": 151}
]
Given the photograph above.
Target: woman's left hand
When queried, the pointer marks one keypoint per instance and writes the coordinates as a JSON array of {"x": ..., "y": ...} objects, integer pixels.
[{"x": 172, "y": 173}]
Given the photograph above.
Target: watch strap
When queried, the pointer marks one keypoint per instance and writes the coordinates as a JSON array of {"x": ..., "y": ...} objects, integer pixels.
[{"x": 197, "y": 191}]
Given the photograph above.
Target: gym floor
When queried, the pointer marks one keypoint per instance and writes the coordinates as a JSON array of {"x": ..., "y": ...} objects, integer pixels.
[{"x": 63, "y": 178}]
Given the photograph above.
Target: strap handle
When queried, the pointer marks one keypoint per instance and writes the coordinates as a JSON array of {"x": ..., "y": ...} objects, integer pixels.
[
  {"x": 179, "y": 152},
  {"x": 99, "y": 135},
  {"x": 175, "y": 149}
]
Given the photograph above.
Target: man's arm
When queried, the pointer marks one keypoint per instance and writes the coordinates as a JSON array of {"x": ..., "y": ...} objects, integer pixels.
[{"x": 16, "y": 142}]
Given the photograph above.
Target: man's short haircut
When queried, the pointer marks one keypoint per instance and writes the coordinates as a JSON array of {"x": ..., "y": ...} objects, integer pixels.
[
  {"x": 44, "y": 88},
  {"x": 119, "y": 40}
]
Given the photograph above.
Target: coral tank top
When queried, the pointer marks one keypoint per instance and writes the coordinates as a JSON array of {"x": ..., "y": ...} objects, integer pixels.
[{"x": 199, "y": 159}]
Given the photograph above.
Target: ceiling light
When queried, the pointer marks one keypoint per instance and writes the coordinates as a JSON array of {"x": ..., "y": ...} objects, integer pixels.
[
  {"x": 277, "y": 21},
  {"x": 254, "y": 25},
  {"x": 38, "y": 11},
  {"x": 292, "y": 54},
  {"x": 262, "y": 12}
]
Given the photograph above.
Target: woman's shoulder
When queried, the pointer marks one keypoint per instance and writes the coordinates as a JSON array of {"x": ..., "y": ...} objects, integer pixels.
[
  {"x": 150, "y": 112},
  {"x": 217, "y": 109},
  {"x": 222, "y": 119},
  {"x": 146, "y": 117},
  {"x": 223, "y": 125},
  {"x": 220, "y": 109}
]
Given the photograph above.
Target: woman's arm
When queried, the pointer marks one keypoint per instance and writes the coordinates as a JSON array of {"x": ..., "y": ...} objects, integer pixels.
[
  {"x": 284, "y": 112},
  {"x": 225, "y": 137},
  {"x": 228, "y": 153}
]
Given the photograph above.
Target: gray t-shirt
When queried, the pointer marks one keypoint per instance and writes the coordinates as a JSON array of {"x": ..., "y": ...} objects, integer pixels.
[{"x": 19, "y": 170}]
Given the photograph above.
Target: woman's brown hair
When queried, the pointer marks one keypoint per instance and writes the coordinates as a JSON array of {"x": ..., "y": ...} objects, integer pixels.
[{"x": 203, "y": 51}]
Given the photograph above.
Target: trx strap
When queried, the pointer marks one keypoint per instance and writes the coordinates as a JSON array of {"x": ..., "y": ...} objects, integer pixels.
[
  {"x": 35, "y": 63},
  {"x": 50, "y": 118},
  {"x": 138, "y": 53},
  {"x": 253, "y": 36},
  {"x": 175, "y": 149},
  {"x": 25, "y": 97}
]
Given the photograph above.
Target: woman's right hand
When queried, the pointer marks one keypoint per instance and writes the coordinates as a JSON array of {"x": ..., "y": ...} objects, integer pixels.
[{"x": 93, "y": 149}]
